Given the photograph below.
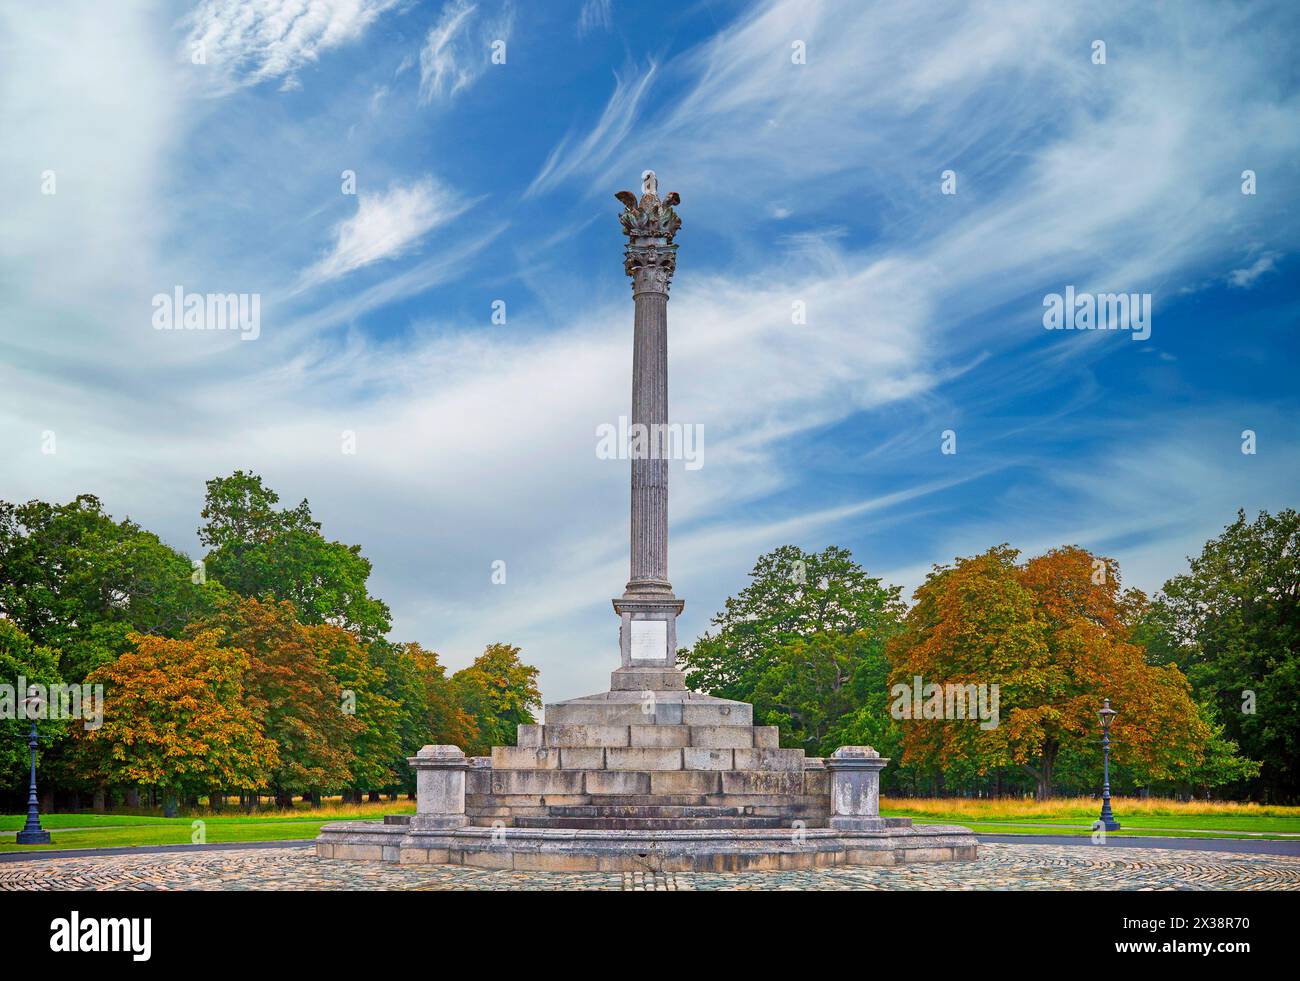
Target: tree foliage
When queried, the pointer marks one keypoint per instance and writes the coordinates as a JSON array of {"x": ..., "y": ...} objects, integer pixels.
[
  {"x": 1056, "y": 635},
  {"x": 1232, "y": 623},
  {"x": 293, "y": 695},
  {"x": 21, "y": 658},
  {"x": 175, "y": 718},
  {"x": 260, "y": 550},
  {"x": 75, "y": 580},
  {"x": 792, "y": 595},
  {"x": 500, "y": 692}
]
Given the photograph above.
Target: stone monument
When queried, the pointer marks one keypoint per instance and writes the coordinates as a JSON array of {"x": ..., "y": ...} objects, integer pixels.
[{"x": 647, "y": 775}]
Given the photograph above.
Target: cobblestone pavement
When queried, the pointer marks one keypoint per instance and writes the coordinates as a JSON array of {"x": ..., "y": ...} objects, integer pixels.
[{"x": 999, "y": 867}]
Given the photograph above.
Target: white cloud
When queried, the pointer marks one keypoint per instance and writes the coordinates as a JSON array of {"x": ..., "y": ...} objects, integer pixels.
[
  {"x": 595, "y": 14},
  {"x": 387, "y": 224},
  {"x": 245, "y": 42},
  {"x": 1245, "y": 278},
  {"x": 457, "y": 50}
]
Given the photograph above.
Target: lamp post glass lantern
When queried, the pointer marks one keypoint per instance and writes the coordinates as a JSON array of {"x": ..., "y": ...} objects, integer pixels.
[
  {"x": 1107, "y": 715},
  {"x": 31, "y": 834}
]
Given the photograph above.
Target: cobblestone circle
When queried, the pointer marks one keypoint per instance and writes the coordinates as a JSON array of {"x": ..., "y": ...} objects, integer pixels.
[{"x": 999, "y": 867}]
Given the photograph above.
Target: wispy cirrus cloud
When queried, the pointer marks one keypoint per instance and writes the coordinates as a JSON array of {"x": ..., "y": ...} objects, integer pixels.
[
  {"x": 605, "y": 140},
  {"x": 245, "y": 42},
  {"x": 387, "y": 224},
  {"x": 595, "y": 14},
  {"x": 457, "y": 49}
]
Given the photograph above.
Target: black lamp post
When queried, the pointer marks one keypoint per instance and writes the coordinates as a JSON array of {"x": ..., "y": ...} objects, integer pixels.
[
  {"x": 32, "y": 833},
  {"x": 1107, "y": 717}
]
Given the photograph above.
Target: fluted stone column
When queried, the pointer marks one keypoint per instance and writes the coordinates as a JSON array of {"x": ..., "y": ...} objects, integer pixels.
[
  {"x": 649, "y": 546},
  {"x": 648, "y": 608}
]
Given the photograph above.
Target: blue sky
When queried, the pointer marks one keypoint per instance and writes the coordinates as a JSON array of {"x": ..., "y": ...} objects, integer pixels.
[{"x": 816, "y": 183}]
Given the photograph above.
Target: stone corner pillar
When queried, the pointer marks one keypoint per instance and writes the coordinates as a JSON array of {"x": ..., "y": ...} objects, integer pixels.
[
  {"x": 439, "y": 787},
  {"x": 855, "y": 788}
]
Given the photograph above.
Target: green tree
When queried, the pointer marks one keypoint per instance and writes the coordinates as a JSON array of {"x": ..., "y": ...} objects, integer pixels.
[
  {"x": 20, "y": 658},
  {"x": 804, "y": 641},
  {"x": 76, "y": 580},
  {"x": 375, "y": 744},
  {"x": 811, "y": 683},
  {"x": 1232, "y": 623},
  {"x": 260, "y": 550},
  {"x": 428, "y": 707},
  {"x": 499, "y": 691}
]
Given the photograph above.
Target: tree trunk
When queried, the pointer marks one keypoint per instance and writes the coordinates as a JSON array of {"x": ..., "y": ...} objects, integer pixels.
[
  {"x": 170, "y": 806},
  {"x": 133, "y": 797},
  {"x": 99, "y": 801},
  {"x": 1042, "y": 774},
  {"x": 284, "y": 800},
  {"x": 374, "y": 797}
]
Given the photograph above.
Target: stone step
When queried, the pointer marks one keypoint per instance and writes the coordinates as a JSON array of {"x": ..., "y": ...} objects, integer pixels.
[
  {"x": 563, "y": 735},
  {"x": 644, "y": 811},
  {"x": 650, "y": 824},
  {"x": 627, "y": 708}
]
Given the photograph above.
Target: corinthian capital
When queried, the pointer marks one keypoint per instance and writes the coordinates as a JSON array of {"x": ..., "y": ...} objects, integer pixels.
[{"x": 649, "y": 224}]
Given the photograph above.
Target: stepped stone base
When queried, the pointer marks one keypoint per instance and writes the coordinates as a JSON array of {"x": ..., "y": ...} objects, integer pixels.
[
  {"x": 649, "y": 759},
  {"x": 641, "y": 778},
  {"x": 553, "y": 850}
]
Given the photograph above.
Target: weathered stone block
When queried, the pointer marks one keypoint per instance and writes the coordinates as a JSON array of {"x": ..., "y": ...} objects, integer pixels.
[
  {"x": 616, "y": 782},
  {"x": 647, "y": 679},
  {"x": 698, "y": 758},
  {"x": 537, "y": 781},
  {"x": 722, "y": 737},
  {"x": 555, "y": 862},
  {"x": 761, "y": 782},
  {"x": 584, "y": 736},
  {"x": 668, "y": 714},
  {"x": 817, "y": 782},
  {"x": 502, "y": 859},
  {"x": 528, "y": 735},
  {"x": 660, "y": 737},
  {"x": 767, "y": 737},
  {"x": 686, "y": 782},
  {"x": 365, "y": 853},
  {"x": 770, "y": 759},
  {"x": 644, "y": 758},
  {"x": 478, "y": 781},
  {"x": 714, "y": 714},
  {"x": 524, "y": 758},
  {"x": 582, "y": 758},
  {"x": 597, "y": 713}
]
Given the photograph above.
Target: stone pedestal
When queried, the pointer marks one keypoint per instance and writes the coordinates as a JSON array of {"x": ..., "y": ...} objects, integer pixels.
[
  {"x": 439, "y": 787},
  {"x": 855, "y": 788}
]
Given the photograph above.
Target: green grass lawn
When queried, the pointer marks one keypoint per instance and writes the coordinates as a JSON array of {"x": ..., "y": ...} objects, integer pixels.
[
  {"x": 1145, "y": 817},
  {"x": 120, "y": 830},
  {"x": 1058, "y": 817}
]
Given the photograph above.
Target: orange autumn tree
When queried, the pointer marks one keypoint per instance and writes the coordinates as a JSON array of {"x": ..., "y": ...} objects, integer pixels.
[
  {"x": 175, "y": 719},
  {"x": 1056, "y": 635},
  {"x": 440, "y": 716},
  {"x": 293, "y": 694}
]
